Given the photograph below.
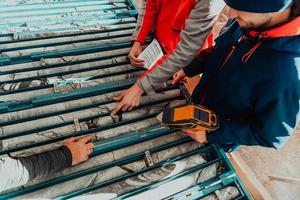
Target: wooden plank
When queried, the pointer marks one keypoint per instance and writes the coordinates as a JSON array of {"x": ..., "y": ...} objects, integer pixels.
[{"x": 255, "y": 187}]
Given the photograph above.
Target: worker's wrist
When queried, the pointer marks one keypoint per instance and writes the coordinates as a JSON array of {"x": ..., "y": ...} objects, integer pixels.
[
  {"x": 138, "y": 89},
  {"x": 137, "y": 43}
]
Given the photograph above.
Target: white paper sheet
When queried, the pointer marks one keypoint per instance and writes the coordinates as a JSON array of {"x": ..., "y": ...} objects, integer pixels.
[{"x": 151, "y": 54}]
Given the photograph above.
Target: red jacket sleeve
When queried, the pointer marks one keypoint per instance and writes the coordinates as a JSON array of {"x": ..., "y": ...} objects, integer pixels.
[{"x": 148, "y": 21}]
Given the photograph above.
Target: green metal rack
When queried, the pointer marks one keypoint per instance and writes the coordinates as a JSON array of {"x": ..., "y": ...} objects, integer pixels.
[{"x": 83, "y": 46}]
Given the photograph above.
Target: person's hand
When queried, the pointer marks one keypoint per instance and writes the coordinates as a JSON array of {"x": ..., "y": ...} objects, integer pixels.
[
  {"x": 80, "y": 148},
  {"x": 134, "y": 53},
  {"x": 128, "y": 99},
  {"x": 198, "y": 136},
  {"x": 178, "y": 76}
]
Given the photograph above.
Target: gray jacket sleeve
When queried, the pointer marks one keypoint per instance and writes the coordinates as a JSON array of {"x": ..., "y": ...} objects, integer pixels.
[
  {"x": 15, "y": 172},
  {"x": 197, "y": 28},
  {"x": 44, "y": 164}
]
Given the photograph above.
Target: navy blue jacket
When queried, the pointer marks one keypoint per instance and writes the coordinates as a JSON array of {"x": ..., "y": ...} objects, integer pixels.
[{"x": 251, "y": 79}]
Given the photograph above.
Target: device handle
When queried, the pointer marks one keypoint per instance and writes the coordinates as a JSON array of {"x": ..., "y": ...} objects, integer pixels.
[{"x": 185, "y": 93}]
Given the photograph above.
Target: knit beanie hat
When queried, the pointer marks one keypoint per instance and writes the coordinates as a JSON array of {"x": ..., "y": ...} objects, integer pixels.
[{"x": 259, "y": 6}]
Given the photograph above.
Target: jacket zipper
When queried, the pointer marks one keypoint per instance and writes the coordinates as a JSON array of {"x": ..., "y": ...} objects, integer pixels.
[{"x": 221, "y": 66}]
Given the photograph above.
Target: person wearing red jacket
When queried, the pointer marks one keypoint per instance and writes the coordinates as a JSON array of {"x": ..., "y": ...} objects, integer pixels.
[
  {"x": 167, "y": 20},
  {"x": 181, "y": 28}
]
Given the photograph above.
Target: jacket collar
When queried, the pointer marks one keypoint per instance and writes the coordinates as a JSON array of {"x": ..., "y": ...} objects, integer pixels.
[{"x": 289, "y": 29}]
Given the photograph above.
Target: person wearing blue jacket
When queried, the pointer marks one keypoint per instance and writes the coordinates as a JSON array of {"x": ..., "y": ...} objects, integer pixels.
[{"x": 251, "y": 76}]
